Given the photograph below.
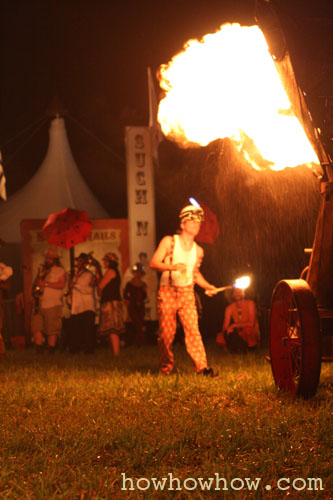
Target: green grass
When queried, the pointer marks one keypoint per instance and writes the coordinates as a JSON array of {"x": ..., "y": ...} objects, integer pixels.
[{"x": 71, "y": 425}]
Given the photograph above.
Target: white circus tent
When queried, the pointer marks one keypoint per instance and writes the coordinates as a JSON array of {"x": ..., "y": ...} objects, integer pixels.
[{"x": 56, "y": 185}]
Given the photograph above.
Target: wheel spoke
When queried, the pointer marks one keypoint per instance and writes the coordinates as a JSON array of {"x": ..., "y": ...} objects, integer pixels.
[{"x": 295, "y": 358}]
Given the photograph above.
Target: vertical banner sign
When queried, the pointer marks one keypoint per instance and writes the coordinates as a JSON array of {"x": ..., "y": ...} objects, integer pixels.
[{"x": 141, "y": 207}]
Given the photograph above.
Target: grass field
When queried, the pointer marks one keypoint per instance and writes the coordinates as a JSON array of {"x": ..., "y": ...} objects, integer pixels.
[{"x": 79, "y": 427}]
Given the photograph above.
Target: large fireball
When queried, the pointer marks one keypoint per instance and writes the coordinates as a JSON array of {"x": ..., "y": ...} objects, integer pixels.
[{"x": 227, "y": 86}]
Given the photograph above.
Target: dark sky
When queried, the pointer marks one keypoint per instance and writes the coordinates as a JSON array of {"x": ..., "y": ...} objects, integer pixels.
[{"x": 94, "y": 56}]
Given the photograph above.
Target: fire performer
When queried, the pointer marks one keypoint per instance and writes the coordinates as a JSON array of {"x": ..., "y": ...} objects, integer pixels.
[
  {"x": 178, "y": 257},
  {"x": 240, "y": 325},
  {"x": 48, "y": 291}
]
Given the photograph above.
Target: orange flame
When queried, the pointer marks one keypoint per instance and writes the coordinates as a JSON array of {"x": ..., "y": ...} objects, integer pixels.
[
  {"x": 243, "y": 282},
  {"x": 226, "y": 85}
]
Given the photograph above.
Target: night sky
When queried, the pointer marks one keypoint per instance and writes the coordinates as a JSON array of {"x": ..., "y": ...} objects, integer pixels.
[{"x": 93, "y": 55}]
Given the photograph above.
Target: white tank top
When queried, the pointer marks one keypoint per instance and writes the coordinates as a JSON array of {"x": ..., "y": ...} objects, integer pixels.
[{"x": 187, "y": 257}]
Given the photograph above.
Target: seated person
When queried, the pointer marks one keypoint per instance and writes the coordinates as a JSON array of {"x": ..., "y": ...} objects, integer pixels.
[{"x": 240, "y": 325}]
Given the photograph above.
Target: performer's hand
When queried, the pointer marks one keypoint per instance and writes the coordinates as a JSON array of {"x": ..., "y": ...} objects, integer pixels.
[
  {"x": 212, "y": 290},
  {"x": 180, "y": 267}
]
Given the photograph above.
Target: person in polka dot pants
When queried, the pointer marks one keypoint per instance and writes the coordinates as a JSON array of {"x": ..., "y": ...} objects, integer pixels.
[{"x": 178, "y": 257}]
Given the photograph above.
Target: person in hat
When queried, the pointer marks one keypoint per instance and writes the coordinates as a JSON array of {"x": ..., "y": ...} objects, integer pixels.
[
  {"x": 48, "y": 289},
  {"x": 82, "y": 332},
  {"x": 111, "y": 322},
  {"x": 135, "y": 294},
  {"x": 178, "y": 258}
]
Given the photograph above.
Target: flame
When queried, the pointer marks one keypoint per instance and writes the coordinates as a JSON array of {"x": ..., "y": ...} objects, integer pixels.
[
  {"x": 242, "y": 282},
  {"x": 226, "y": 85}
]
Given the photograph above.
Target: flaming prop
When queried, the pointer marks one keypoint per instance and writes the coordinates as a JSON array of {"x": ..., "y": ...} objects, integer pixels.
[
  {"x": 227, "y": 86},
  {"x": 242, "y": 283}
]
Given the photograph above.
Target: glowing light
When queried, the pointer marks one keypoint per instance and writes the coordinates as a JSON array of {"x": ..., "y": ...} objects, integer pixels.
[
  {"x": 242, "y": 282},
  {"x": 226, "y": 85},
  {"x": 194, "y": 202}
]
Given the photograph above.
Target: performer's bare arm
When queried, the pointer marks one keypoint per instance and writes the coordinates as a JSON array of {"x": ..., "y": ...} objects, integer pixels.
[
  {"x": 199, "y": 279},
  {"x": 162, "y": 251},
  {"x": 208, "y": 287}
]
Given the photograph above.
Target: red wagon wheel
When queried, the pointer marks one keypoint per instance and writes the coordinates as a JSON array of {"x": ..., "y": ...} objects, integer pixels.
[{"x": 295, "y": 338}]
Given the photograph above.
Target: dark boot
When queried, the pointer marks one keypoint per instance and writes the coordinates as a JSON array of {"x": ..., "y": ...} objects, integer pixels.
[{"x": 208, "y": 372}]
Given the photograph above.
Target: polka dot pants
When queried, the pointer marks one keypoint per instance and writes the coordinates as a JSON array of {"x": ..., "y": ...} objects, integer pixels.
[{"x": 173, "y": 300}]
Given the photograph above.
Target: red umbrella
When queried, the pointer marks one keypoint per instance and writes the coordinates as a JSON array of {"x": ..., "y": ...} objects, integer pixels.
[
  {"x": 67, "y": 228},
  {"x": 210, "y": 228}
]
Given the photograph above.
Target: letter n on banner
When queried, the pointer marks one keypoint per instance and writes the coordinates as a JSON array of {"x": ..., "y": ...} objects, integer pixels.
[{"x": 141, "y": 207}]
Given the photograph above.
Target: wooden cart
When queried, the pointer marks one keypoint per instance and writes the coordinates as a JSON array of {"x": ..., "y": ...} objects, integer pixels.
[{"x": 301, "y": 312}]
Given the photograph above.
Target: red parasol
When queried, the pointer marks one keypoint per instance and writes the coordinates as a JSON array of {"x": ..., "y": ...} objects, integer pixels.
[
  {"x": 67, "y": 228},
  {"x": 210, "y": 228}
]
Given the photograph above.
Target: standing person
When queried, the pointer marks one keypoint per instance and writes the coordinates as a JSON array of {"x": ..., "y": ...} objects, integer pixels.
[
  {"x": 82, "y": 333},
  {"x": 178, "y": 257},
  {"x": 48, "y": 290},
  {"x": 5, "y": 273},
  {"x": 240, "y": 325},
  {"x": 111, "y": 309},
  {"x": 135, "y": 294},
  {"x": 151, "y": 280}
]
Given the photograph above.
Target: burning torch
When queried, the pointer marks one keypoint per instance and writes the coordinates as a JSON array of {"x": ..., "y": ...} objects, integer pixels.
[{"x": 241, "y": 283}]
